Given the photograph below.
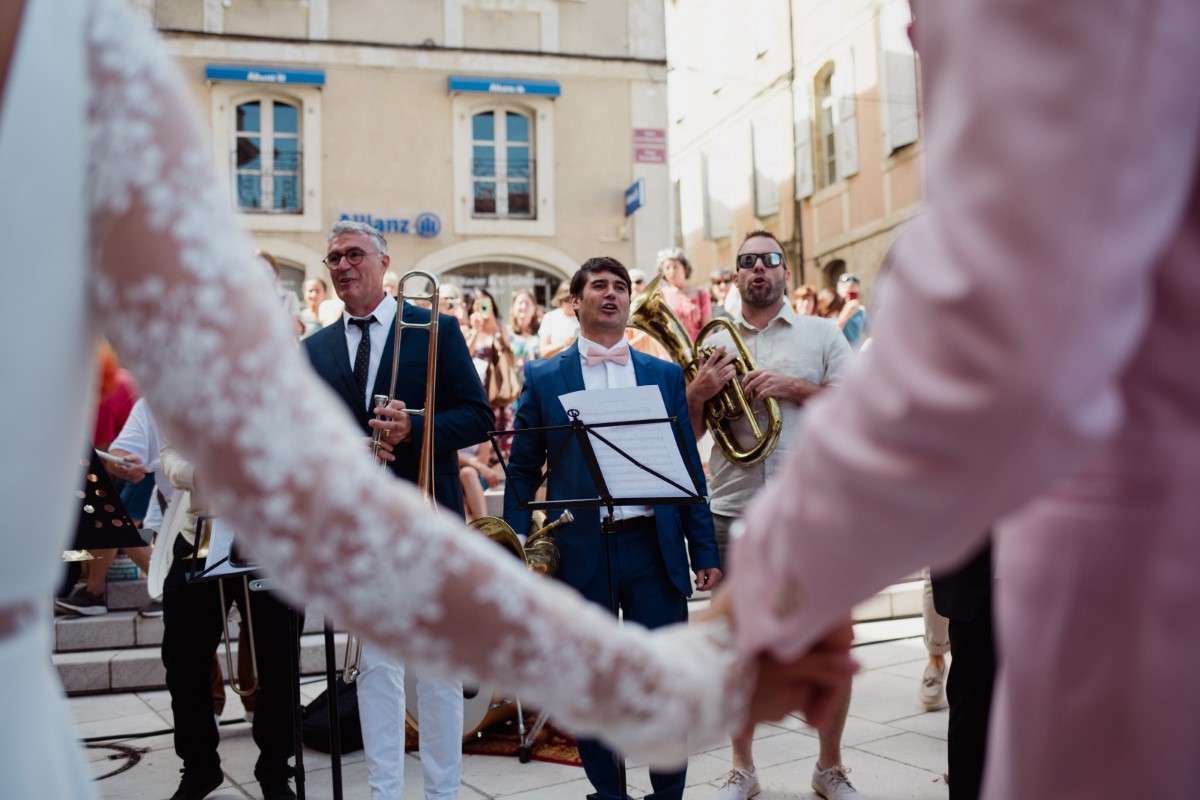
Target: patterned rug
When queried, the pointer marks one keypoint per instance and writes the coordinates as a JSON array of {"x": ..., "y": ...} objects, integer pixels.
[{"x": 504, "y": 739}]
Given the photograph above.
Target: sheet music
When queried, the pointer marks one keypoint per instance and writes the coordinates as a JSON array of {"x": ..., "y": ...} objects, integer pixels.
[
  {"x": 653, "y": 445},
  {"x": 220, "y": 546}
]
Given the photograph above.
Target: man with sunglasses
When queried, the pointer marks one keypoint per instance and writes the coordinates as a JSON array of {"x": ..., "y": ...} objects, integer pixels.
[
  {"x": 796, "y": 357},
  {"x": 354, "y": 355}
]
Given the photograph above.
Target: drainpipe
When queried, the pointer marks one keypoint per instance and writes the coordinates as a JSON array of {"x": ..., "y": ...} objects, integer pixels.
[{"x": 797, "y": 243}]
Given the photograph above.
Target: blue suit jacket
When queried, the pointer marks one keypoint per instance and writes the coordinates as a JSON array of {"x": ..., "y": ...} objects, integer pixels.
[
  {"x": 581, "y": 543},
  {"x": 462, "y": 416}
]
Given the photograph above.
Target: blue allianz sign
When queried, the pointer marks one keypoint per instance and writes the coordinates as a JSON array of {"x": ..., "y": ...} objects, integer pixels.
[
  {"x": 427, "y": 225},
  {"x": 461, "y": 83},
  {"x": 276, "y": 75},
  {"x": 635, "y": 196}
]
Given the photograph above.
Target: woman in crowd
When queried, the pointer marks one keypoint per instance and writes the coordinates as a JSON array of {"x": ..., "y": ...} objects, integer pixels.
[
  {"x": 523, "y": 322},
  {"x": 492, "y": 353},
  {"x": 316, "y": 292},
  {"x": 693, "y": 306},
  {"x": 804, "y": 300}
]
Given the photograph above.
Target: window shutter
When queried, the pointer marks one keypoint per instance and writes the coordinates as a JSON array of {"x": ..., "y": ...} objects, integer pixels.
[
  {"x": 897, "y": 76},
  {"x": 764, "y": 149},
  {"x": 847, "y": 125},
  {"x": 718, "y": 218},
  {"x": 802, "y": 105}
]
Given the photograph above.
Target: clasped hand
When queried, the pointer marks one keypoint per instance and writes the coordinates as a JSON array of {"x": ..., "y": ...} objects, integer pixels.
[
  {"x": 395, "y": 428},
  {"x": 812, "y": 684}
]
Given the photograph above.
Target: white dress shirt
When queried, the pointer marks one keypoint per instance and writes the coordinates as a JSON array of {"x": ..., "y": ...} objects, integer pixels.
[
  {"x": 385, "y": 317},
  {"x": 611, "y": 375}
]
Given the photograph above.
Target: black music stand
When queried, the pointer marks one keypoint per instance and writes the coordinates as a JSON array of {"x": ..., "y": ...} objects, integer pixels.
[
  {"x": 104, "y": 523},
  {"x": 582, "y": 434},
  {"x": 227, "y": 564}
]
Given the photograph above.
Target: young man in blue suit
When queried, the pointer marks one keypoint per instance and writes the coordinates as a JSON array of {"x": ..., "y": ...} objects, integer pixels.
[
  {"x": 651, "y": 545},
  {"x": 354, "y": 355}
]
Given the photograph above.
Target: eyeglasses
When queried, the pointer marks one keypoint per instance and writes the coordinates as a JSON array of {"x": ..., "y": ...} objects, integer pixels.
[
  {"x": 723, "y": 281},
  {"x": 353, "y": 256},
  {"x": 769, "y": 260}
]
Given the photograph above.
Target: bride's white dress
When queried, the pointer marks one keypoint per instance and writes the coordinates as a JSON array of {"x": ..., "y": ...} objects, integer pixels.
[{"x": 113, "y": 223}]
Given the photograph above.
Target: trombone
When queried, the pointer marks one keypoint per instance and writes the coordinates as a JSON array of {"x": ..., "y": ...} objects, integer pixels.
[
  {"x": 353, "y": 658},
  {"x": 204, "y": 538}
]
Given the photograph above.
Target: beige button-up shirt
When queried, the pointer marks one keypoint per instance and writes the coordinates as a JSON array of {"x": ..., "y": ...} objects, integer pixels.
[{"x": 810, "y": 348}]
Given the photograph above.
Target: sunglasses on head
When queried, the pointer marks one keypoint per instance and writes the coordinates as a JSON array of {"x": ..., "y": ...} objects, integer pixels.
[{"x": 769, "y": 260}]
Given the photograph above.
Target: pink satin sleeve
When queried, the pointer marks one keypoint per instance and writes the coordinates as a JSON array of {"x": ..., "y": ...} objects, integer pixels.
[{"x": 1061, "y": 164}]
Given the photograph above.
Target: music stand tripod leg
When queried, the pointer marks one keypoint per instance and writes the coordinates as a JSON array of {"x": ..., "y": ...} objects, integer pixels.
[{"x": 335, "y": 730}]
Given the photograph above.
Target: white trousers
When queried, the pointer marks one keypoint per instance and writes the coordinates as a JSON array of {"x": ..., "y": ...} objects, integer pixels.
[
  {"x": 381, "y": 713},
  {"x": 937, "y": 627}
]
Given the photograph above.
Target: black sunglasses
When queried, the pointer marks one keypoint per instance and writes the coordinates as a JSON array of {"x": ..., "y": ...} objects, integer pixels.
[{"x": 769, "y": 260}]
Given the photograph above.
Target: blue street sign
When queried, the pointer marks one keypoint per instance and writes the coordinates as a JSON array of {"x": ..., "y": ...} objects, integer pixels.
[
  {"x": 277, "y": 75},
  {"x": 635, "y": 196},
  {"x": 463, "y": 83}
]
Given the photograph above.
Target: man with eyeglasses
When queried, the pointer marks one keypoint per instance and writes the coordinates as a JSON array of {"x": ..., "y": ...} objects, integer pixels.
[
  {"x": 354, "y": 355},
  {"x": 796, "y": 357}
]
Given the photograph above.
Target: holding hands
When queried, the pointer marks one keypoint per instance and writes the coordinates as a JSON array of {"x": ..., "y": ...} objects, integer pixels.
[{"x": 811, "y": 684}]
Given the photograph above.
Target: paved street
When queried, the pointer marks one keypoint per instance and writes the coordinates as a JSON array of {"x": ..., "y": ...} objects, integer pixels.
[{"x": 894, "y": 748}]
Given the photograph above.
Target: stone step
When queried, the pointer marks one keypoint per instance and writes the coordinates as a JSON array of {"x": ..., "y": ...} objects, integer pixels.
[
  {"x": 141, "y": 668},
  {"x": 896, "y": 601},
  {"x": 126, "y": 629},
  {"x": 121, "y": 651}
]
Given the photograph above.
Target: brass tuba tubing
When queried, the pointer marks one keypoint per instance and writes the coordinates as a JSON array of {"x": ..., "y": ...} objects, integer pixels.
[
  {"x": 651, "y": 314},
  {"x": 353, "y": 656}
]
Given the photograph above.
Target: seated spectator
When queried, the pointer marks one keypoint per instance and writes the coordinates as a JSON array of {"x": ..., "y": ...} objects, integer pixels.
[
  {"x": 477, "y": 475},
  {"x": 118, "y": 393}
]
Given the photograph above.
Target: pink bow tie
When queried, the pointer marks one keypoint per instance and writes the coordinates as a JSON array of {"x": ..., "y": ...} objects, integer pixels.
[{"x": 598, "y": 355}]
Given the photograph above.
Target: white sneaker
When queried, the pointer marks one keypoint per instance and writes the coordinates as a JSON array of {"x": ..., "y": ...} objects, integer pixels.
[
  {"x": 739, "y": 785},
  {"x": 933, "y": 688},
  {"x": 832, "y": 783}
]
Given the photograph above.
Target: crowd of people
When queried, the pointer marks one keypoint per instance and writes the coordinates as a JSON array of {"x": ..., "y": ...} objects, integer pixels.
[{"x": 483, "y": 362}]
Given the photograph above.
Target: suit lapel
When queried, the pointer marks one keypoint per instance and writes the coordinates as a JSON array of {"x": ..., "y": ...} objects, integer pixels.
[
  {"x": 571, "y": 369},
  {"x": 643, "y": 368},
  {"x": 337, "y": 354}
]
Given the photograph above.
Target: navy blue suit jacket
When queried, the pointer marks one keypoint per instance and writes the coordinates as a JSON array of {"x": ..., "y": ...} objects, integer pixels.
[
  {"x": 462, "y": 416},
  {"x": 580, "y": 543}
]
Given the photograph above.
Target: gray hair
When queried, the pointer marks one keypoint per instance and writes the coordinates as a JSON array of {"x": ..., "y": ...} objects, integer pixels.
[
  {"x": 352, "y": 226},
  {"x": 673, "y": 254}
]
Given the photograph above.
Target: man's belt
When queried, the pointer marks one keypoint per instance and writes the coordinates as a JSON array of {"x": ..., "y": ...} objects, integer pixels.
[{"x": 631, "y": 524}]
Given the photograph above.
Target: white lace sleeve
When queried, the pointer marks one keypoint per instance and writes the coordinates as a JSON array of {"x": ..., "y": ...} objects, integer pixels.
[{"x": 196, "y": 321}]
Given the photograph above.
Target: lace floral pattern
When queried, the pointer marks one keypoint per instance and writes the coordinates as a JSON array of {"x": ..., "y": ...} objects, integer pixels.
[{"x": 194, "y": 318}]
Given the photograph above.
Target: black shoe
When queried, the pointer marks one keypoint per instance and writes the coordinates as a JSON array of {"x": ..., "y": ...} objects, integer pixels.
[
  {"x": 277, "y": 789},
  {"x": 196, "y": 785},
  {"x": 81, "y": 601}
]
